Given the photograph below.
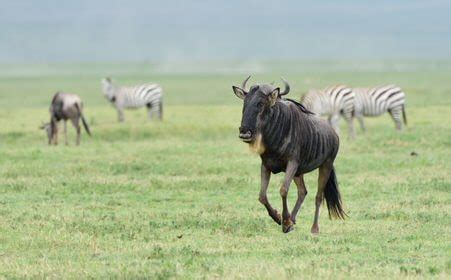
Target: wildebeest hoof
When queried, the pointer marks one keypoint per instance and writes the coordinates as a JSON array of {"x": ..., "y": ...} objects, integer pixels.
[
  {"x": 276, "y": 217},
  {"x": 287, "y": 226},
  {"x": 315, "y": 230}
]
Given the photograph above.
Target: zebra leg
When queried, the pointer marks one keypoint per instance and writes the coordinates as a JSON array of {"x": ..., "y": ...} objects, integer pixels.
[
  {"x": 302, "y": 192},
  {"x": 160, "y": 110},
  {"x": 149, "y": 110},
  {"x": 395, "y": 114},
  {"x": 120, "y": 114},
  {"x": 263, "y": 198},
  {"x": 333, "y": 120},
  {"x": 362, "y": 124},
  {"x": 350, "y": 120}
]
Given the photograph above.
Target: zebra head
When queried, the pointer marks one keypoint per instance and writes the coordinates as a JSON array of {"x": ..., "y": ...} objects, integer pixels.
[
  {"x": 108, "y": 88},
  {"x": 312, "y": 101}
]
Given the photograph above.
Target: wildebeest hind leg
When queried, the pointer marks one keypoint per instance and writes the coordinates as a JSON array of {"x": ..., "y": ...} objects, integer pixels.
[
  {"x": 302, "y": 192},
  {"x": 287, "y": 224},
  {"x": 323, "y": 176},
  {"x": 263, "y": 198}
]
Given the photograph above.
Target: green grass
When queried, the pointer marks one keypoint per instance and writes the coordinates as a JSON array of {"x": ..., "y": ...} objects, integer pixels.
[{"x": 117, "y": 205}]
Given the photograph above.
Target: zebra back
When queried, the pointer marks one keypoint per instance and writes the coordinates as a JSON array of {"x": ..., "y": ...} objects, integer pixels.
[
  {"x": 329, "y": 101},
  {"x": 375, "y": 101},
  {"x": 138, "y": 96}
]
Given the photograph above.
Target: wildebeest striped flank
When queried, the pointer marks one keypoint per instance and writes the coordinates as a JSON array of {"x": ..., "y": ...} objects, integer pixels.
[
  {"x": 290, "y": 139},
  {"x": 334, "y": 101},
  {"x": 372, "y": 102},
  {"x": 149, "y": 95}
]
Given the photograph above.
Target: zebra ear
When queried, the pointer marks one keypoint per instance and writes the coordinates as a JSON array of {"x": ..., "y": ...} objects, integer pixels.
[
  {"x": 273, "y": 96},
  {"x": 240, "y": 93}
]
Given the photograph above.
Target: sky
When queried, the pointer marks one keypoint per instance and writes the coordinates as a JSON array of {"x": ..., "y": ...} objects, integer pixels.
[{"x": 147, "y": 31}]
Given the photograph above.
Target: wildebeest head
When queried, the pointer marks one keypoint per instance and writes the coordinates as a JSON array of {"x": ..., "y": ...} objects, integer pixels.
[
  {"x": 49, "y": 130},
  {"x": 257, "y": 103}
]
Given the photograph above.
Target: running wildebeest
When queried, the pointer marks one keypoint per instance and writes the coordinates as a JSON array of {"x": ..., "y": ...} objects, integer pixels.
[
  {"x": 65, "y": 106},
  {"x": 290, "y": 139}
]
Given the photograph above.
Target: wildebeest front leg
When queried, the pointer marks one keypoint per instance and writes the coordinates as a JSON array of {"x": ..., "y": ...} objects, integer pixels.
[
  {"x": 302, "y": 192},
  {"x": 263, "y": 198},
  {"x": 287, "y": 224}
]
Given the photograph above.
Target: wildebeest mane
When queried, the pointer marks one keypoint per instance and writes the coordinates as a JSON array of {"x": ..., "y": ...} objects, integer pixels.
[{"x": 303, "y": 109}]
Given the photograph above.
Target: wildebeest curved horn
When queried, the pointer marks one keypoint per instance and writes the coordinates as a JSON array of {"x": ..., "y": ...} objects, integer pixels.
[
  {"x": 243, "y": 85},
  {"x": 287, "y": 87}
]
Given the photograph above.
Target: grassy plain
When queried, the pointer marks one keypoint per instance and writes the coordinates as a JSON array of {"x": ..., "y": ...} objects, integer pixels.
[{"x": 178, "y": 199}]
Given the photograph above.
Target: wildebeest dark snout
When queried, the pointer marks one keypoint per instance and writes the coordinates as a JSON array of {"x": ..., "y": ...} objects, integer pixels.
[{"x": 245, "y": 134}]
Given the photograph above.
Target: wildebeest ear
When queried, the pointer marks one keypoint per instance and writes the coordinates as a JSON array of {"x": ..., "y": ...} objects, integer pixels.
[
  {"x": 273, "y": 96},
  {"x": 240, "y": 93}
]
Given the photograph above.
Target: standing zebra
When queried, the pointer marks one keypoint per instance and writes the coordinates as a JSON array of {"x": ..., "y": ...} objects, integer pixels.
[
  {"x": 334, "y": 102},
  {"x": 150, "y": 95},
  {"x": 375, "y": 101}
]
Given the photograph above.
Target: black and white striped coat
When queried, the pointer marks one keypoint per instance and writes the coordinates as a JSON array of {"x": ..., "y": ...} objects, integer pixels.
[
  {"x": 150, "y": 95},
  {"x": 334, "y": 101},
  {"x": 372, "y": 102}
]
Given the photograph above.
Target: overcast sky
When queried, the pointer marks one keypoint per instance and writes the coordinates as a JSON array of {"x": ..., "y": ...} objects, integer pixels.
[{"x": 120, "y": 31}]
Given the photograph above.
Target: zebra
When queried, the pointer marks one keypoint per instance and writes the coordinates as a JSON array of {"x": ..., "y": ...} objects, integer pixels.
[
  {"x": 372, "y": 102},
  {"x": 334, "y": 101},
  {"x": 150, "y": 95}
]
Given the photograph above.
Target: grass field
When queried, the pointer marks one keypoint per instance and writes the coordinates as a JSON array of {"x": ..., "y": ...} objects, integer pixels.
[{"x": 178, "y": 199}]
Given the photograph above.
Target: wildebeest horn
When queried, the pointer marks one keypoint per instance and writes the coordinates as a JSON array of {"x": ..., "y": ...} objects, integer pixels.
[
  {"x": 243, "y": 85},
  {"x": 287, "y": 87}
]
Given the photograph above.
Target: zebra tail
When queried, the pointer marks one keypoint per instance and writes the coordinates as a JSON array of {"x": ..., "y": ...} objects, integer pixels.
[
  {"x": 404, "y": 115},
  {"x": 333, "y": 197},
  {"x": 85, "y": 124}
]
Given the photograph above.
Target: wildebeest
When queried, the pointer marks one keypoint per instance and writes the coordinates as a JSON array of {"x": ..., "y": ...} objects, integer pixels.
[
  {"x": 290, "y": 139},
  {"x": 65, "y": 106}
]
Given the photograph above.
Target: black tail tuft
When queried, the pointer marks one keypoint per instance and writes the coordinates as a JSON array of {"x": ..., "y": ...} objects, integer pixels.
[
  {"x": 333, "y": 198},
  {"x": 85, "y": 124},
  {"x": 404, "y": 115}
]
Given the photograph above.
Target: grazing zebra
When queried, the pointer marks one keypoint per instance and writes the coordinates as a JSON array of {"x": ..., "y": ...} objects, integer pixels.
[
  {"x": 334, "y": 102},
  {"x": 150, "y": 95},
  {"x": 372, "y": 102}
]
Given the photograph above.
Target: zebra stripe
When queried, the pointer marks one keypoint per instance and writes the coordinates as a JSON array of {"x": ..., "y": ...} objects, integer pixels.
[
  {"x": 372, "y": 102},
  {"x": 333, "y": 102}
]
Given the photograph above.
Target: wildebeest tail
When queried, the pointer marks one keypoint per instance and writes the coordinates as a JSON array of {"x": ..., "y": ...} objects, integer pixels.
[
  {"x": 404, "y": 117},
  {"x": 85, "y": 124},
  {"x": 333, "y": 197}
]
